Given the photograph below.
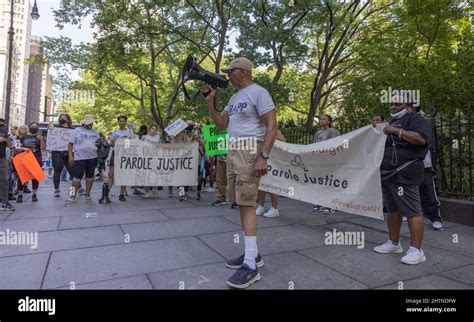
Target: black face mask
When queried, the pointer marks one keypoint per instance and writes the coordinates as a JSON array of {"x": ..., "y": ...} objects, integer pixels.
[
  {"x": 62, "y": 122},
  {"x": 87, "y": 127},
  {"x": 33, "y": 130}
]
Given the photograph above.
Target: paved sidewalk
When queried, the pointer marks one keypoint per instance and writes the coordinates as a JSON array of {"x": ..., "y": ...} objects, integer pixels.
[{"x": 166, "y": 244}]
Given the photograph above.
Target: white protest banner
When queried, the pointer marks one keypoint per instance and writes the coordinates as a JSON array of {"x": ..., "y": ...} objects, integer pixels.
[
  {"x": 139, "y": 163},
  {"x": 58, "y": 138},
  {"x": 341, "y": 173},
  {"x": 175, "y": 128}
]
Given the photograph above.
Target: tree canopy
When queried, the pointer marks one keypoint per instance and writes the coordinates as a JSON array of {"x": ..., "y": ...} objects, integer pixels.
[{"x": 315, "y": 56}]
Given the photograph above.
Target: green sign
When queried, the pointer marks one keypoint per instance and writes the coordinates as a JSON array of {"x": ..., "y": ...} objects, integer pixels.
[{"x": 216, "y": 141}]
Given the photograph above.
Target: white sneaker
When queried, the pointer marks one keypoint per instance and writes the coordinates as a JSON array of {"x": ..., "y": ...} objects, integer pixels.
[
  {"x": 414, "y": 256},
  {"x": 71, "y": 199},
  {"x": 148, "y": 195},
  {"x": 389, "y": 248},
  {"x": 329, "y": 211},
  {"x": 260, "y": 210},
  {"x": 271, "y": 213},
  {"x": 208, "y": 189},
  {"x": 437, "y": 225},
  {"x": 404, "y": 220}
]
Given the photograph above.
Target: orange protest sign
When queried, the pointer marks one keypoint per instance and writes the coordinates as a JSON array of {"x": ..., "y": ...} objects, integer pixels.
[{"x": 27, "y": 167}]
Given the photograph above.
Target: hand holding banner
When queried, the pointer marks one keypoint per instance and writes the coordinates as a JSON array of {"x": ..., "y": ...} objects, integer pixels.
[
  {"x": 342, "y": 173},
  {"x": 145, "y": 163}
]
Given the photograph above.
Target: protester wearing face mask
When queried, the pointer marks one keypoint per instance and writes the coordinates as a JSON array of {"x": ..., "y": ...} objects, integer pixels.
[
  {"x": 402, "y": 170},
  {"x": 60, "y": 159},
  {"x": 84, "y": 144},
  {"x": 28, "y": 139},
  {"x": 5, "y": 145}
]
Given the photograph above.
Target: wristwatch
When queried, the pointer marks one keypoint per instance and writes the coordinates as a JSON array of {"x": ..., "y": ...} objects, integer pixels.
[{"x": 264, "y": 155}]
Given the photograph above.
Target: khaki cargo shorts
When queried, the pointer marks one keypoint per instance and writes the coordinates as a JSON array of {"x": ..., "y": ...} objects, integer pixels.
[{"x": 242, "y": 184}]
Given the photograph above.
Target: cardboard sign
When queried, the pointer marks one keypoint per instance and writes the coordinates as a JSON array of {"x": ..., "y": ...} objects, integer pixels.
[
  {"x": 58, "y": 138},
  {"x": 177, "y": 127},
  {"x": 216, "y": 141}
]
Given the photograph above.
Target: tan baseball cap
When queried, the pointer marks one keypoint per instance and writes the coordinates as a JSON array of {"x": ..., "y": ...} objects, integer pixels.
[
  {"x": 240, "y": 62},
  {"x": 88, "y": 119}
]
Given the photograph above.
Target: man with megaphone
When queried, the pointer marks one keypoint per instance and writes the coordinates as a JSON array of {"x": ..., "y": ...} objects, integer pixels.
[{"x": 250, "y": 118}]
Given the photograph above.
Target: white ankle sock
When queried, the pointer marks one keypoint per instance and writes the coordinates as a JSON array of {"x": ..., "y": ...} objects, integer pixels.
[{"x": 251, "y": 251}]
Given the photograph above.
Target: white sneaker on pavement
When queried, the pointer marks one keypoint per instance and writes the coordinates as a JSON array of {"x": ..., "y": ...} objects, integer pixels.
[
  {"x": 71, "y": 199},
  {"x": 437, "y": 225},
  {"x": 260, "y": 210},
  {"x": 389, "y": 248},
  {"x": 271, "y": 213},
  {"x": 414, "y": 256},
  {"x": 148, "y": 195}
]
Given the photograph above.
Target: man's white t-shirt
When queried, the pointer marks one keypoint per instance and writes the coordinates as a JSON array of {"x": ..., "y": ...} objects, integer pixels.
[
  {"x": 245, "y": 109},
  {"x": 84, "y": 143}
]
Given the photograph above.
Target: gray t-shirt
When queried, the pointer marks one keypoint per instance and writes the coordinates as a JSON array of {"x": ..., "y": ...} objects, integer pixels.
[
  {"x": 245, "y": 109},
  {"x": 123, "y": 134},
  {"x": 84, "y": 143},
  {"x": 152, "y": 138},
  {"x": 323, "y": 135}
]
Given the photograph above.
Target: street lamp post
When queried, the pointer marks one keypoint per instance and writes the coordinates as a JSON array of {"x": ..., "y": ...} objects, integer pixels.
[
  {"x": 45, "y": 107},
  {"x": 11, "y": 33}
]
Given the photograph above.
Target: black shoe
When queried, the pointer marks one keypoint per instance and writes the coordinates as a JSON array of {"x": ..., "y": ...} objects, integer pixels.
[
  {"x": 7, "y": 206},
  {"x": 237, "y": 262},
  {"x": 219, "y": 203},
  {"x": 11, "y": 197},
  {"x": 198, "y": 196},
  {"x": 19, "y": 199},
  {"x": 234, "y": 205},
  {"x": 26, "y": 190},
  {"x": 122, "y": 198},
  {"x": 244, "y": 277},
  {"x": 34, "y": 198}
]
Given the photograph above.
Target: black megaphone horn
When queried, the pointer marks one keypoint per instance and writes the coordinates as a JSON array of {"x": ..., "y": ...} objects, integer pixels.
[{"x": 192, "y": 71}]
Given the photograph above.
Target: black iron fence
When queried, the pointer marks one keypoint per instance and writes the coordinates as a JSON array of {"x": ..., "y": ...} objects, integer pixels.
[{"x": 452, "y": 152}]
